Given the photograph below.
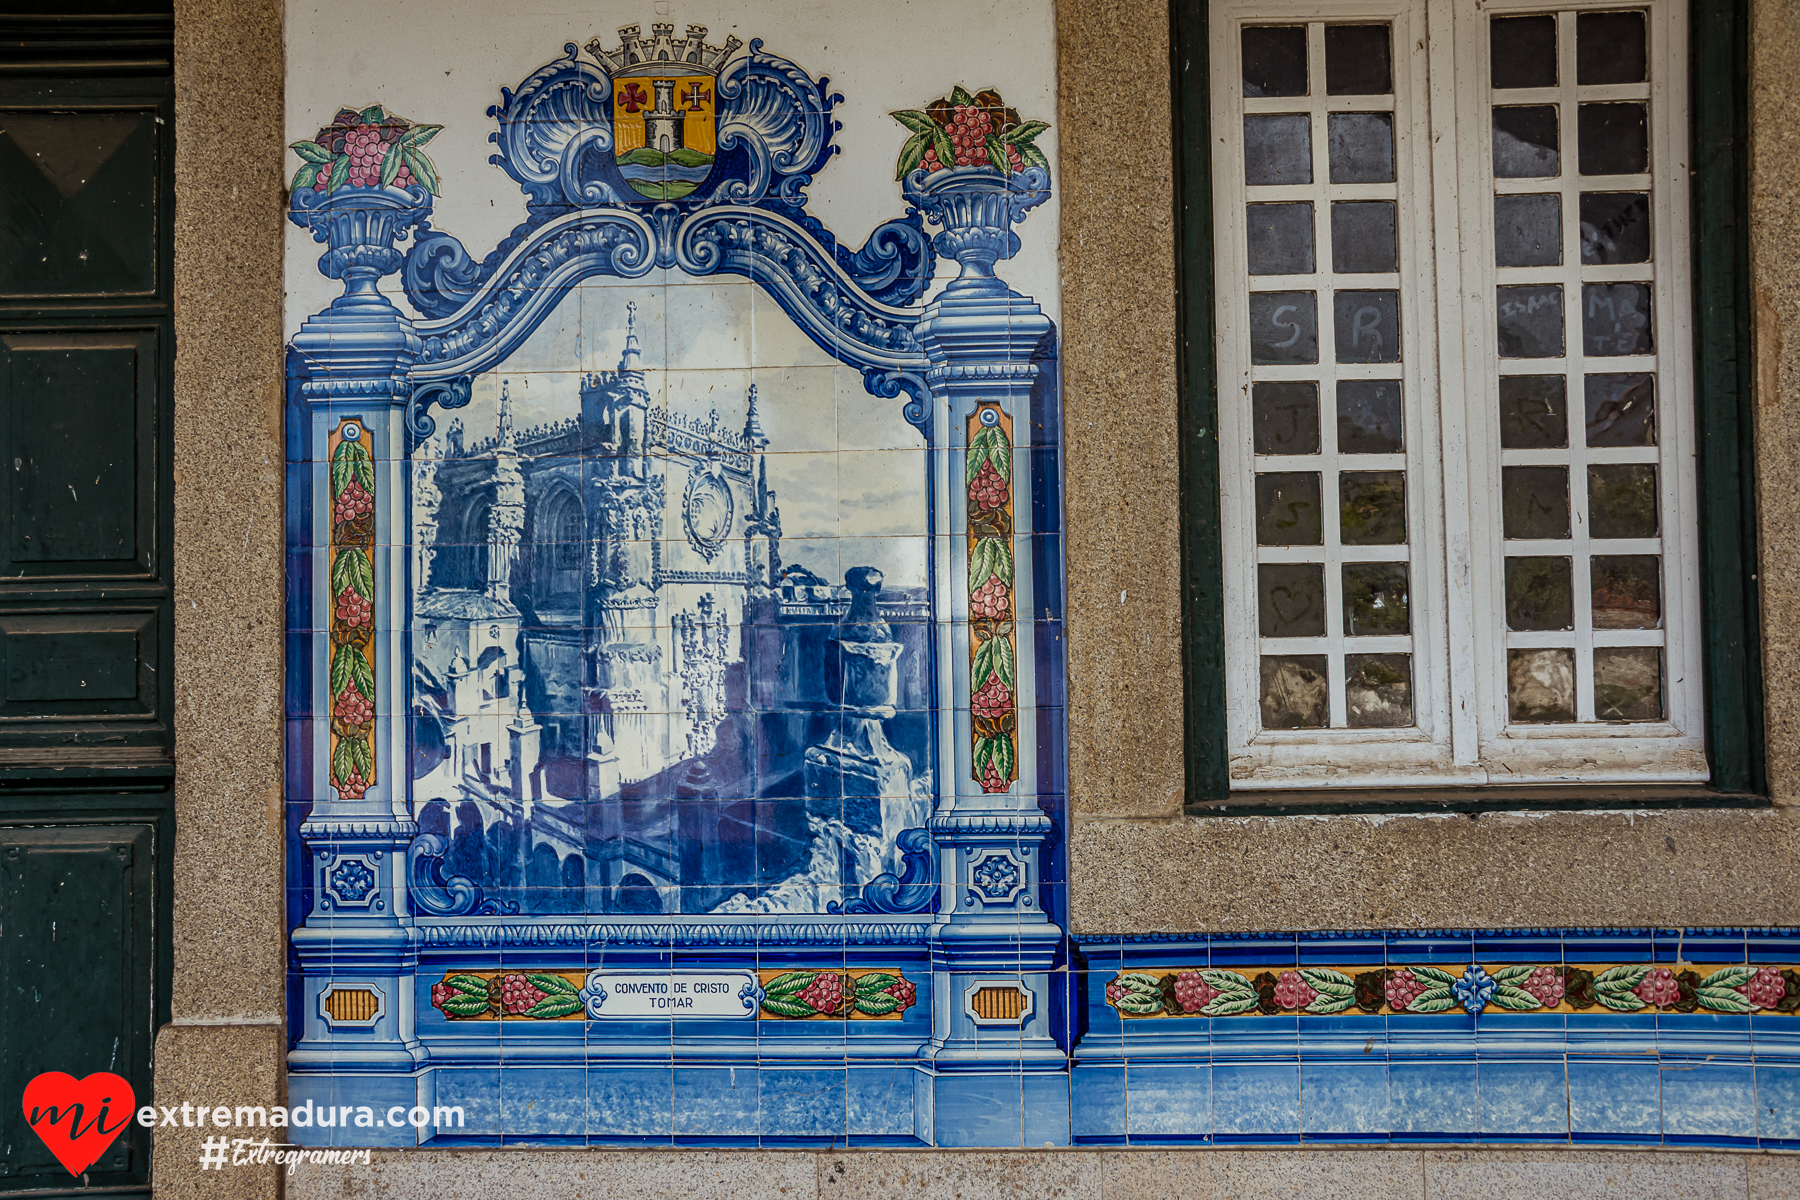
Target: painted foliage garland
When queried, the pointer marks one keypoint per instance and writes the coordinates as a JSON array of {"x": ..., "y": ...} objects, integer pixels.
[
  {"x": 352, "y": 681},
  {"x": 1520, "y": 987},
  {"x": 993, "y": 706},
  {"x": 534, "y": 994},
  {"x": 798, "y": 995}
]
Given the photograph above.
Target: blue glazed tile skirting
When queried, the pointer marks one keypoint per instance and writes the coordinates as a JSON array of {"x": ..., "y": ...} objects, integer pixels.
[{"x": 1601, "y": 1075}]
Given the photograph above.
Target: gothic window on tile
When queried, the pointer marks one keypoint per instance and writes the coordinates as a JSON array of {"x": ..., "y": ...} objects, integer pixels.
[{"x": 1458, "y": 513}]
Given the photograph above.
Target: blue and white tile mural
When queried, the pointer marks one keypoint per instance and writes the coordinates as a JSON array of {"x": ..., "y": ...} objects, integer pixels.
[{"x": 675, "y": 741}]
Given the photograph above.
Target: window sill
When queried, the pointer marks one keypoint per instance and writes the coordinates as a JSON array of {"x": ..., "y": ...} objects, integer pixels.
[{"x": 1504, "y": 798}]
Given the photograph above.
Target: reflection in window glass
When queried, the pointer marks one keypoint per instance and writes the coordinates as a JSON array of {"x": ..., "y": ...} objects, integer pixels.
[
  {"x": 1360, "y": 147},
  {"x": 1614, "y": 139},
  {"x": 1531, "y": 321},
  {"x": 1290, "y": 599},
  {"x": 1363, "y": 237},
  {"x": 1534, "y": 502},
  {"x": 1615, "y": 227},
  {"x": 1533, "y": 412},
  {"x": 1284, "y": 418},
  {"x": 1284, "y": 327},
  {"x": 1525, "y": 142},
  {"x": 1277, "y": 148},
  {"x": 1540, "y": 685},
  {"x": 1370, "y": 418},
  {"x": 1522, "y": 51},
  {"x": 1628, "y": 683},
  {"x": 1378, "y": 691},
  {"x": 1540, "y": 593},
  {"x": 1359, "y": 60},
  {"x": 1287, "y": 509},
  {"x": 1527, "y": 231},
  {"x": 1294, "y": 692},
  {"x": 1280, "y": 239},
  {"x": 1609, "y": 47},
  {"x": 1275, "y": 60}
]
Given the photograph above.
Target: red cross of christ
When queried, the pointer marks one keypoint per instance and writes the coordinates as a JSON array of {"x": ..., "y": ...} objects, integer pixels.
[
  {"x": 695, "y": 97},
  {"x": 633, "y": 97}
]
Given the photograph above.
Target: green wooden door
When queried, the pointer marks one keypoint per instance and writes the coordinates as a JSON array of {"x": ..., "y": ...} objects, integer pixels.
[{"x": 86, "y": 623}]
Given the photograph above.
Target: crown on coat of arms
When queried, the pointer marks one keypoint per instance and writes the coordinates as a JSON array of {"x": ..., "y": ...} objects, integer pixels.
[{"x": 663, "y": 49}]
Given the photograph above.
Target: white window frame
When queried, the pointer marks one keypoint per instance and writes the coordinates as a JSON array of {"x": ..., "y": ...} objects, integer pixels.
[{"x": 1445, "y": 188}]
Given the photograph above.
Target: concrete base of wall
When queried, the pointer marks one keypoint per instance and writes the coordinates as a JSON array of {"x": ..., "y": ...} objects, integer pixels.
[{"x": 1091, "y": 1175}]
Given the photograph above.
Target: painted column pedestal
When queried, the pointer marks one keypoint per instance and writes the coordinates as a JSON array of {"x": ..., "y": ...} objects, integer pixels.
[
  {"x": 348, "y": 390},
  {"x": 993, "y": 1051}
]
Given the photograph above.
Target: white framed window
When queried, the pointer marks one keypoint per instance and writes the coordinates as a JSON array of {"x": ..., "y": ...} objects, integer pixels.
[{"x": 1456, "y": 442}]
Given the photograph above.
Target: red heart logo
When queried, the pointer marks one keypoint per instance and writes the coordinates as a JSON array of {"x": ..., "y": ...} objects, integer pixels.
[{"x": 78, "y": 1118}]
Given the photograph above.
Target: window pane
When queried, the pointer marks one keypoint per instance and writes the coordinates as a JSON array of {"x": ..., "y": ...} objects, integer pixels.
[
  {"x": 1284, "y": 417},
  {"x": 1369, "y": 417},
  {"x": 1615, "y": 227},
  {"x": 1615, "y": 319},
  {"x": 1372, "y": 508},
  {"x": 1277, "y": 148},
  {"x": 1525, "y": 143},
  {"x": 1628, "y": 683},
  {"x": 1275, "y": 60},
  {"x": 1534, "y": 502},
  {"x": 1614, "y": 139},
  {"x": 1627, "y": 591},
  {"x": 1540, "y": 685},
  {"x": 1621, "y": 410},
  {"x": 1359, "y": 60},
  {"x": 1609, "y": 47},
  {"x": 1368, "y": 326},
  {"x": 1534, "y": 412},
  {"x": 1287, "y": 509},
  {"x": 1290, "y": 599},
  {"x": 1284, "y": 327},
  {"x": 1280, "y": 239},
  {"x": 1531, "y": 321},
  {"x": 1375, "y": 601},
  {"x": 1527, "y": 231},
  {"x": 1363, "y": 237},
  {"x": 1378, "y": 691},
  {"x": 1622, "y": 500},
  {"x": 1540, "y": 593},
  {"x": 1360, "y": 147},
  {"x": 1294, "y": 692},
  {"x": 1522, "y": 51}
]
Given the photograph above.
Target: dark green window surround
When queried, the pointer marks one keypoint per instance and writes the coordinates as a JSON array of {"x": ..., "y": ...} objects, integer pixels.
[{"x": 1734, "y": 718}]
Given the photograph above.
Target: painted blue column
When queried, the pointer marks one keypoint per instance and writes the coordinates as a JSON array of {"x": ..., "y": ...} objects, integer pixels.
[
  {"x": 999, "y": 1076},
  {"x": 349, "y": 388}
]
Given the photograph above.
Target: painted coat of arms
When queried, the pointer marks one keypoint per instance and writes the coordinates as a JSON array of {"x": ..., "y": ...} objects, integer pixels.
[{"x": 664, "y": 95}]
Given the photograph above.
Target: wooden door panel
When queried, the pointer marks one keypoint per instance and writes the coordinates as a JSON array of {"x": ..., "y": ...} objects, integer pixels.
[
  {"x": 75, "y": 967},
  {"x": 78, "y": 213},
  {"x": 80, "y": 456}
]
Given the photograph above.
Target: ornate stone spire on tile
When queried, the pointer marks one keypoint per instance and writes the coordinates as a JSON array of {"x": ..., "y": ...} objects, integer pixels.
[
  {"x": 753, "y": 430},
  {"x": 631, "y": 360}
]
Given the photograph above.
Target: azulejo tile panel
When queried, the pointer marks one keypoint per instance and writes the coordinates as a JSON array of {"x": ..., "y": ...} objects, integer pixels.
[
  {"x": 675, "y": 686},
  {"x": 662, "y": 698}
]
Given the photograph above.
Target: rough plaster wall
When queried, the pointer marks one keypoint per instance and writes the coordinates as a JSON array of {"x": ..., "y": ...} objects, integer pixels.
[
  {"x": 1120, "y": 462},
  {"x": 225, "y": 1045},
  {"x": 1692, "y": 868},
  {"x": 1063, "y": 1175},
  {"x": 1775, "y": 276}
]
